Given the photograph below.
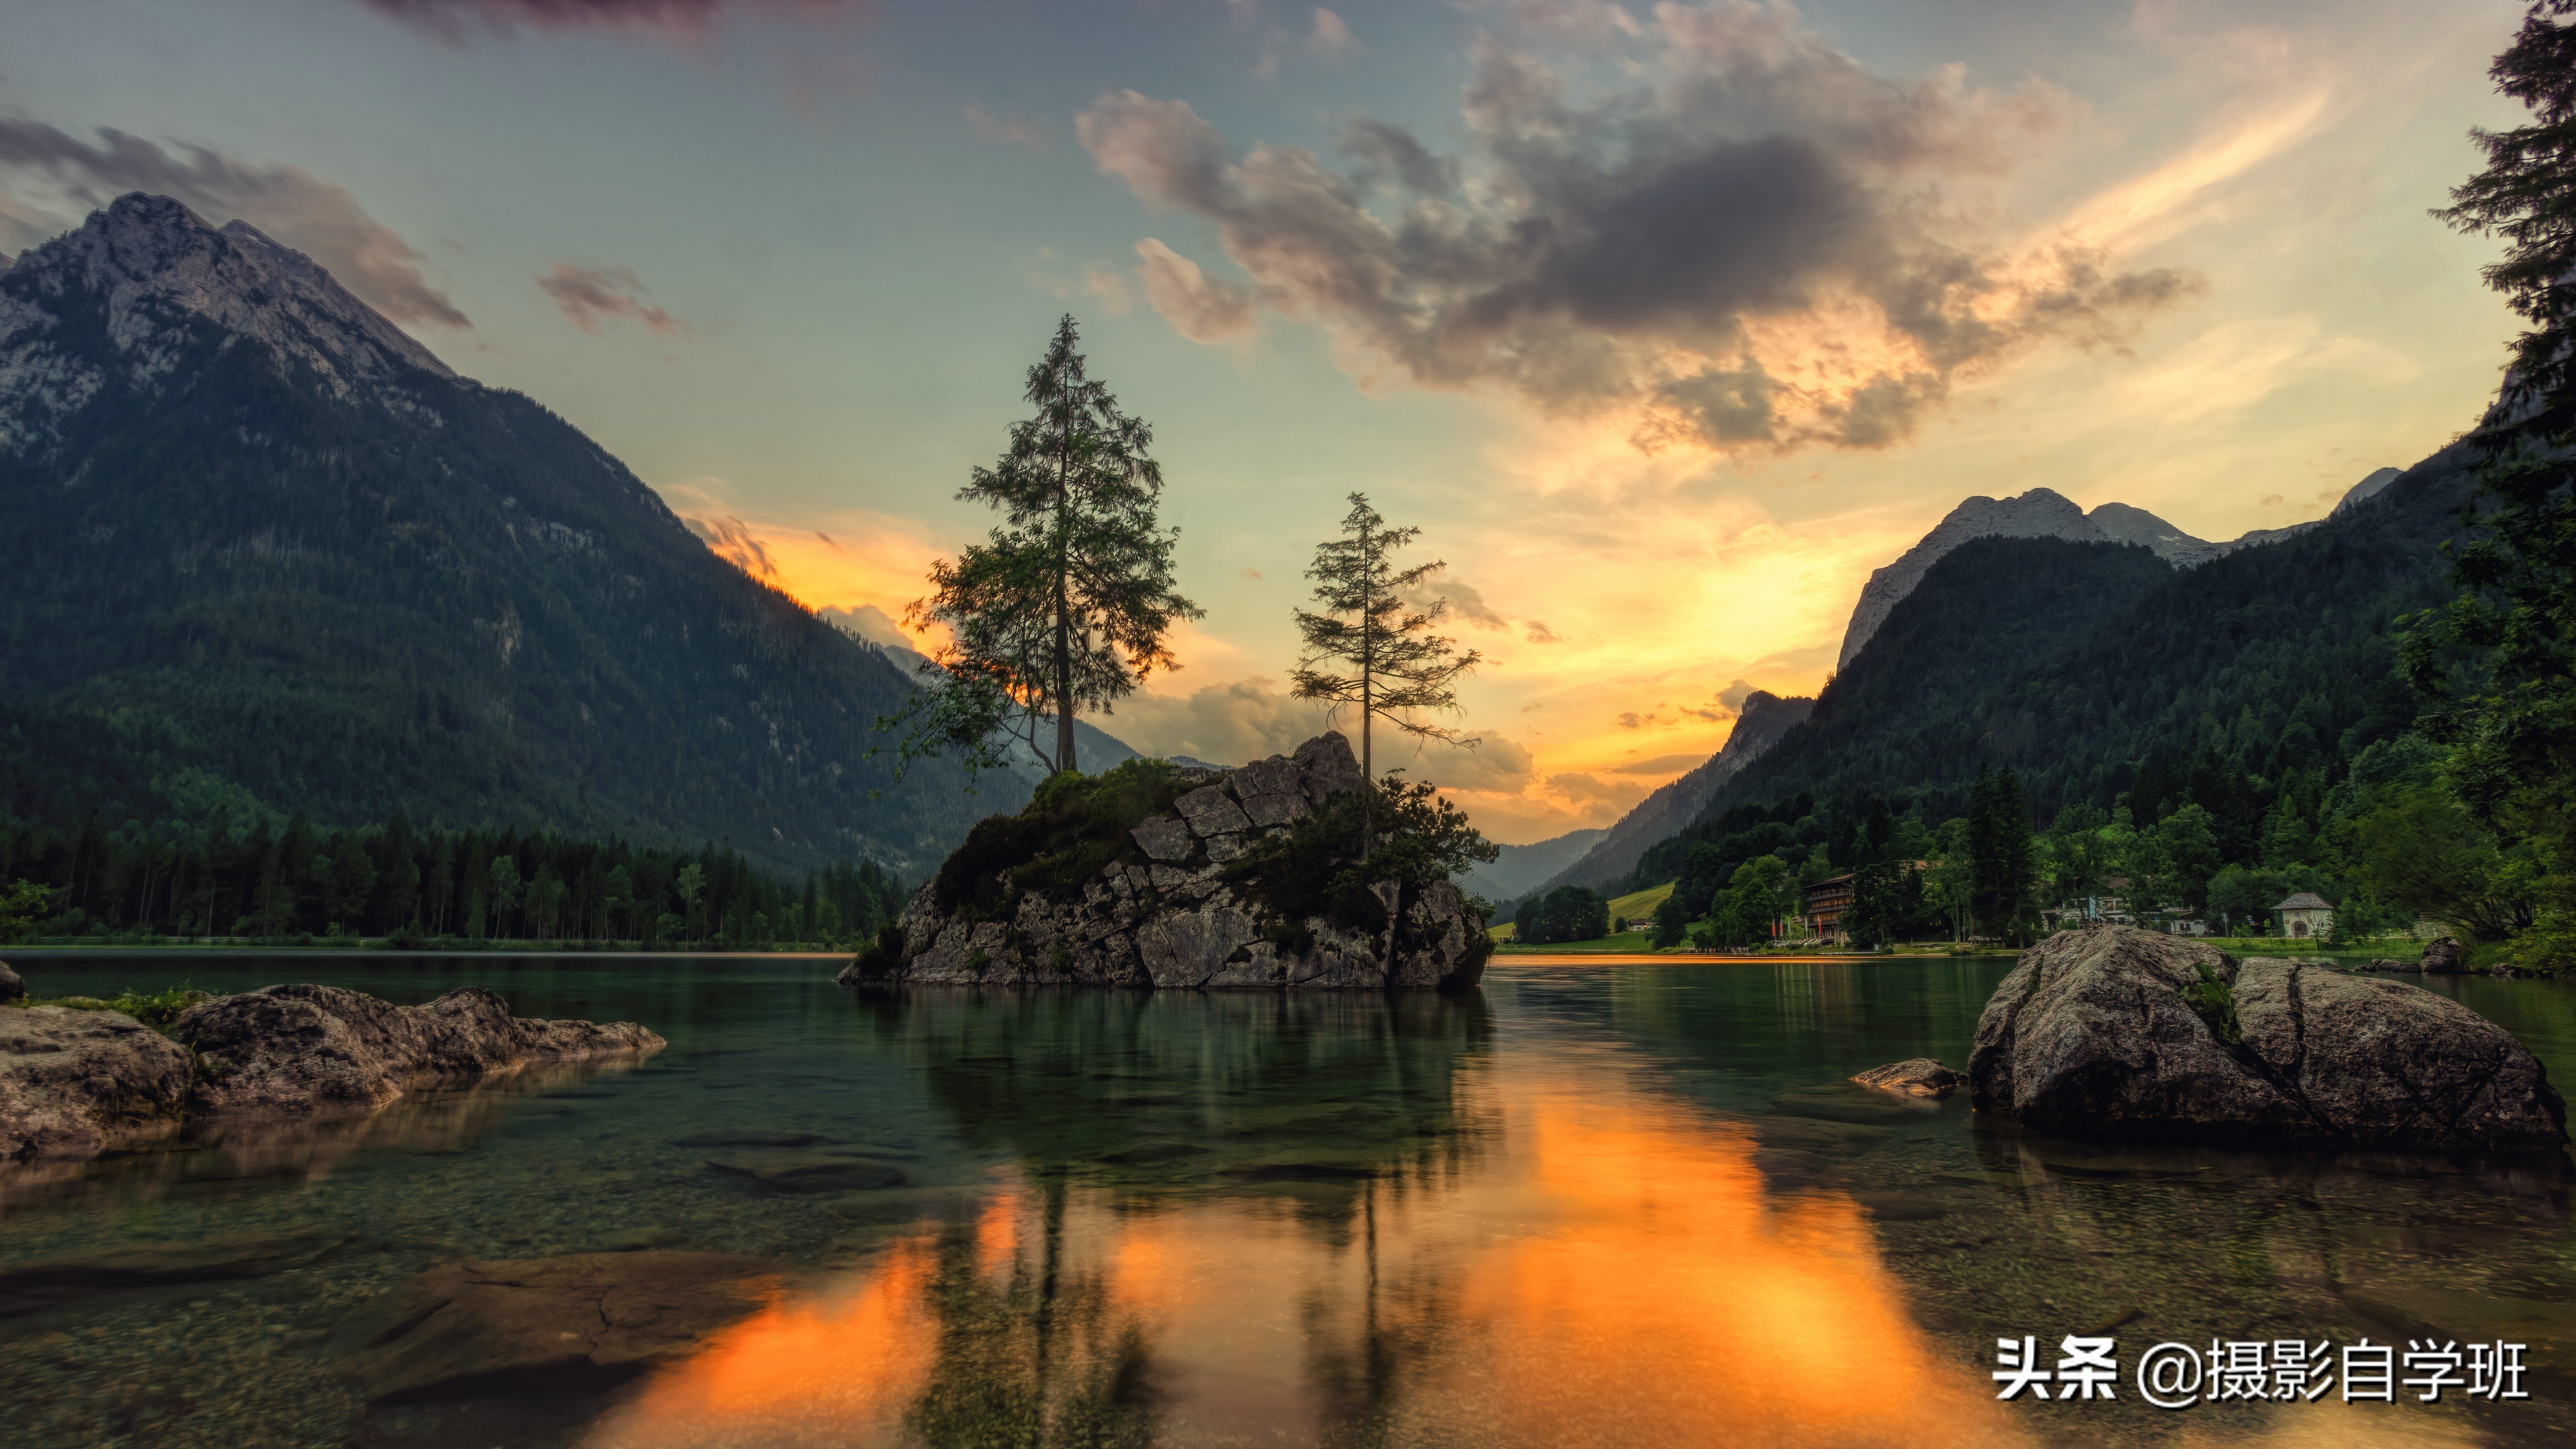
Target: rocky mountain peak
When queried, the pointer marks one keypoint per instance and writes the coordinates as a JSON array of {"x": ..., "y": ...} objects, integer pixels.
[
  {"x": 125, "y": 300},
  {"x": 2039, "y": 513}
]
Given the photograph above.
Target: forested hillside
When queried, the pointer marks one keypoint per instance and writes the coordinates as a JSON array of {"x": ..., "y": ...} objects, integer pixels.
[{"x": 265, "y": 552}]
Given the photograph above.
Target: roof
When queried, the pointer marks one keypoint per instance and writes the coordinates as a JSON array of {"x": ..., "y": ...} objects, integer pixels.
[{"x": 2305, "y": 901}]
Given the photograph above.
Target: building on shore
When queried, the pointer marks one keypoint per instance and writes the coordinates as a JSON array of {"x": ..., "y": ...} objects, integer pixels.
[
  {"x": 1827, "y": 900},
  {"x": 2305, "y": 914}
]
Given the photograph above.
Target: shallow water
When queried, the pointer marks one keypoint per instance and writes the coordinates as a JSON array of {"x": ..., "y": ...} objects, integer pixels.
[{"x": 1627, "y": 1205}]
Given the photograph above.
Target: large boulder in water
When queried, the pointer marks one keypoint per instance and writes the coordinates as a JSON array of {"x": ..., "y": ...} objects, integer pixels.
[
  {"x": 1162, "y": 877},
  {"x": 2115, "y": 1032},
  {"x": 75, "y": 1083},
  {"x": 300, "y": 1047}
]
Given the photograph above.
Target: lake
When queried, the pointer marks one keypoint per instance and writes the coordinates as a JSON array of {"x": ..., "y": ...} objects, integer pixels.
[{"x": 1586, "y": 1205}]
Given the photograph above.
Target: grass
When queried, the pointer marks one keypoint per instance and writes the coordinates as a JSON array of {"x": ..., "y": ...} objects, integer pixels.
[
  {"x": 1636, "y": 906},
  {"x": 154, "y": 1009}
]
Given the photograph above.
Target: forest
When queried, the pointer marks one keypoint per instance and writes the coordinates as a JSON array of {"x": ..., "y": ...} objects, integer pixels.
[{"x": 297, "y": 884}]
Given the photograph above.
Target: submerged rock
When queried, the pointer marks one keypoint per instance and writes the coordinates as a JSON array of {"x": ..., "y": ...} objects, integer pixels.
[
  {"x": 301, "y": 1047},
  {"x": 580, "y": 1322},
  {"x": 1164, "y": 902},
  {"x": 2115, "y": 1032},
  {"x": 76, "y": 1083},
  {"x": 1914, "y": 1077}
]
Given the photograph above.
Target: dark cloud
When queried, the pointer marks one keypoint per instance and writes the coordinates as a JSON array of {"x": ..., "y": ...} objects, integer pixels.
[
  {"x": 314, "y": 216},
  {"x": 589, "y": 294},
  {"x": 1758, "y": 248},
  {"x": 1734, "y": 695},
  {"x": 683, "y": 20},
  {"x": 1541, "y": 634},
  {"x": 1466, "y": 603}
]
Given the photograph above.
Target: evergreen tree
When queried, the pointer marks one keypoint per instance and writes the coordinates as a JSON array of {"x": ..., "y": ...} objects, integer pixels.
[
  {"x": 1999, "y": 849},
  {"x": 1373, "y": 624},
  {"x": 1067, "y": 604},
  {"x": 2512, "y": 711}
]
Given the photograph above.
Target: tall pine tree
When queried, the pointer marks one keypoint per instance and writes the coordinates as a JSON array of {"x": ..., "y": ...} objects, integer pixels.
[{"x": 1066, "y": 605}]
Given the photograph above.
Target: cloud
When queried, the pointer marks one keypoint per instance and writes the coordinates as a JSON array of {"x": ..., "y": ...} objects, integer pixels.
[
  {"x": 1225, "y": 724},
  {"x": 1735, "y": 694},
  {"x": 1249, "y": 572},
  {"x": 737, "y": 543},
  {"x": 1198, "y": 306},
  {"x": 313, "y": 216},
  {"x": 1014, "y": 129},
  {"x": 871, "y": 623},
  {"x": 588, "y": 295},
  {"x": 1766, "y": 244},
  {"x": 1659, "y": 765},
  {"x": 689, "y": 22},
  {"x": 1541, "y": 634},
  {"x": 1465, "y": 603},
  {"x": 1329, "y": 35},
  {"x": 1589, "y": 790}
]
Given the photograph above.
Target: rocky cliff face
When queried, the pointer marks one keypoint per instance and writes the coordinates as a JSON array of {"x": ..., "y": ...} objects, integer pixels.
[{"x": 1185, "y": 898}]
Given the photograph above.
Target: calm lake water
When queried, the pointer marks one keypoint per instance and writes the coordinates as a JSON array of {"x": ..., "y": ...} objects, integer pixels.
[{"x": 1629, "y": 1205}]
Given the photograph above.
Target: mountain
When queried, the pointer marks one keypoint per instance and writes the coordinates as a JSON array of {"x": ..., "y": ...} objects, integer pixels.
[
  {"x": 2043, "y": 513},
  {"x": 2095, "y": 671},
  {"x": 1766, "y": 717},
  {"x": 268, "y": 553},
  {"x": 1511, "y": 874},
  {"x": 2365, "y": 490}
]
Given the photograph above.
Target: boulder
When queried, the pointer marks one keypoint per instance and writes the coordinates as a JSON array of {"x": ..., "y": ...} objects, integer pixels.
[
  {"x": 1210, "y": 811},
  {"x": 304, "y": 1047},
  {"x": 1914, "y": 1077},
  {"x": 2383, "y": 1063},
  {"x": 2115, "y": 1032},
  {"x": 11, "y": 988},
  {"x": 2385, "y": 964},
  {"x": 1325, "y": 764},
  {"x": 76, "y": 1083},
  {"x": 1164, "y": 838},
  {"x": 584, "y": 1321},
  {"x": 2445, "y": 956}
]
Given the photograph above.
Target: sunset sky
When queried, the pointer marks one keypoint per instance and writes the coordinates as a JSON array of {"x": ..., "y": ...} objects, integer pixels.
[{"x": 1666, "y": 323}]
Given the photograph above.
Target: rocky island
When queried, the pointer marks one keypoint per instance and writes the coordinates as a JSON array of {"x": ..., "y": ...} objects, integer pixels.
[
  {"x": 1152, "y": 875},
  {"x": 2115, "y": 1032},
  {"x": 78, "y": 1080}
]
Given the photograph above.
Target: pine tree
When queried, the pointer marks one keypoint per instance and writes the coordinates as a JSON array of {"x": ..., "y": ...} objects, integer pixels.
[
  {"x": 1373, "y": 623},
  {"x": 2514, "y": 718},
  {"x": 1065, "y": 606}
]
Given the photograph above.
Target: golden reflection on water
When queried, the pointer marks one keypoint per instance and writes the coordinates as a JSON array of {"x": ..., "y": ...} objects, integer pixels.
[{"x": 1611, "y": 1270}]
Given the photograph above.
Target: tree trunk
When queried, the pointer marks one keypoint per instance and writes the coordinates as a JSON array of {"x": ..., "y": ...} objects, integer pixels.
[
  {"x": 1063, "y": 627},
  {"x": 1368, "y": 703}
]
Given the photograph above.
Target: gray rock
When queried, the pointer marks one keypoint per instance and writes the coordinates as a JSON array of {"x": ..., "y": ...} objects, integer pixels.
[
  {"x": 2092, "y": 1035},
  {"x": 1913, "y": 1077},
  {"x": 302, "y": 1047},
  {"x": 2383, "y": 1063},
  {"x": 1187, "y": 948},
  {"x": 76, "y": 1083},
  {"x": 2384, "y": 964},
  {"x": 1222, "y": 848},
  {"x": 1164, "y": 838},
  {"x": 1325, "y": 764},
  {"x": 1276, "y": 775},
  {"x": 1278, "y": 809},
  {"x": 11, "y": 988},
  {"x": 2444, "y": 955},
  {"x": 586, "y": 1320},
  {"x": 1211, "y": 811}
]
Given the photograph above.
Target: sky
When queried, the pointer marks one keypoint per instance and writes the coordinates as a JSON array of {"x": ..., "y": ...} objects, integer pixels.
[{"x": 1665, "y": 324}]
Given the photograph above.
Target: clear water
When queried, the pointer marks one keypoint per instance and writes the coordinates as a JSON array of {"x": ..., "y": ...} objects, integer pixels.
[{"x": 1592, "y": 1205}]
